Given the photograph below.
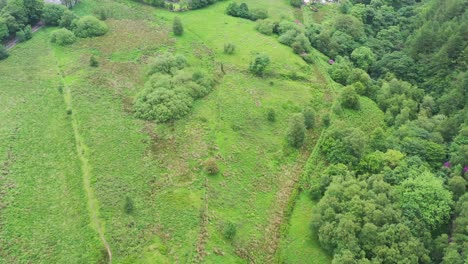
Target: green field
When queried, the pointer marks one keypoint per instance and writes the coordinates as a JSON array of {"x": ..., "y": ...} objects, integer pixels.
[{"x": 72, "y": 152}]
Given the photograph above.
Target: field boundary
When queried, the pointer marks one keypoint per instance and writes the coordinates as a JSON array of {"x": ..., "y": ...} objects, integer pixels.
[{"x": 303, "y": 178}]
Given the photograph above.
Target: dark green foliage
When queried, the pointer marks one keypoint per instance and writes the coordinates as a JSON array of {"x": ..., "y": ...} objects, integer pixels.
[
  {"x": 169, "y": 93},
  {"x": 52, "y": 14},
  {"x": 457, "y": 185},
  {"x": 326, "y": 120},
  {"x": 243, "y": 11},
  {"x": 63, "y": 37},
  {"x": 168, "y": 64},
  {"x": 424, "y": 198},
  {"x": 349, "y": 98},
  {"x": 102, "y": 13},
  {"x": 211, "y": 166},
  {"x": 229, "y": 48},
  {"x": 309, "y": 118},
  {"x": 177, "y": 27},
  {"x": 128, "y": 207},
  {"x": 3, "y": 28},
  {"x": 25, "y": 34},
  {"x": 3, "y": 52},
  {"x": 93, "y": 62},
  {"x": 67, "y": 19},
  {"x": 162, "y": 102},
  {"x": 229, "y": 230},
  {"x": 259, "y": 64},
  {"x": 360, "y": 221},
  {"x": 296, "y": 3},
  {"x": 265, "y": 26},
  {"x": 344, "y": 144},
  {"x": 363, "y": 57},
  {"x": 296, "y": 131},
  {"x": 258, "y": 13},
  {"x": 271, "y": 115},
  {"x": 196, "y": 4},
  {"x": 89, "y": 26}
]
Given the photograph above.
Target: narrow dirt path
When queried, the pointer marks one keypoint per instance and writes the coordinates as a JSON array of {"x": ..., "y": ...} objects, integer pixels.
[{"x": 81, "y": 148}]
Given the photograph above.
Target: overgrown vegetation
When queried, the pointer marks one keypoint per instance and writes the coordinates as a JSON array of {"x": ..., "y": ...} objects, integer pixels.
[{"x": 171, "y": 90}]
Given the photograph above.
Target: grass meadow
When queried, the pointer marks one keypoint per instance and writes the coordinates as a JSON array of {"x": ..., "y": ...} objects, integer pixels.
[{"x": 72, "y": 152}]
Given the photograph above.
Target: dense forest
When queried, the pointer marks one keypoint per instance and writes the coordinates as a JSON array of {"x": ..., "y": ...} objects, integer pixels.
[{"x": 399, "y": 194}]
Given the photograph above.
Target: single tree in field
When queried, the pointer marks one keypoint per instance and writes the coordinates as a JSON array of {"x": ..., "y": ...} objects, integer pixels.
[
  {"x": 177, "y": 27},
  {"x": 259, "y": 64},
  {"x": 296, "y": 132}
]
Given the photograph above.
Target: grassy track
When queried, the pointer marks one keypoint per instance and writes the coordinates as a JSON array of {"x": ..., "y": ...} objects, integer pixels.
[
  {"x": 81, "y": 150},
  {"x": 42, "y": 215}
]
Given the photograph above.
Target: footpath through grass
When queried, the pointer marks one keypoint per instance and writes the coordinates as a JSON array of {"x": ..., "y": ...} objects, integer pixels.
[{"x": 43, "y": 214}]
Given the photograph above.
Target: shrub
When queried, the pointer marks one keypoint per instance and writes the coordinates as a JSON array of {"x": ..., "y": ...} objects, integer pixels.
[
  {"x": 296, "y": 3},
  {"x": 233, "y": 9},
  {"x": 229, "y": 48},
  {"x": 167, "y": 63},
  {"x": 67, "y": 19},
  {"x": 211, "y": 167},
  {"x": 265, "y": 26},
  {"x": 3, "y": 52},
  {"x": 102, "y": 13},
  {"x": 63, "y": 37},
  {"x": 350, "y": 98},
  {"x": 288, "y": 37},
  {"x": 296, "y": 132},
  {"x": 128, "y": 207},
  {"x": 52, "y": 13},
  {"x": 285, "y": 26},
  {"x": 90, "y": 26},
  {"x": 259, "y": 64},
  {"x": 177, "y": 27},
  {"x": 25, "y": 34},
  {"x": 20, "y": 36},
  {"x": 271, "y": 115},
  {"x": 162, "y": 104},
  {"x": 229, "y": 230},
  {"x": 326, "y": 120},
  {"x": 258, "y": 13},
  {"x": 93, "y": 62},
  {"x": 309, "y": 118}
]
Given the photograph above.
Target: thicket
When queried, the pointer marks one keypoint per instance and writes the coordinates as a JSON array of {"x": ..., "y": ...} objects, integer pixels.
[
  {"x": 409, "y": 176},
  {"x": 243, "y": 11},
  {"x": 16, "y": 16},
  {"x": 259, "y": 64},
  {"x": 171, "y": 89},
  {"x": 63, "y": 37}
]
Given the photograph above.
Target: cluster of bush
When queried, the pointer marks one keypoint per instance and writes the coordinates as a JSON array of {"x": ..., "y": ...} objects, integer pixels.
[
  {"x": 188, "y": 5},
  {"x": 16, "y": 18},
  {"x": 171, "y": 89},
  {"x": 243, "y": 11},
  {"x": 71, "y": 25},
  {"x": 290, "y": 33},
  {"x": 298, "y": 125}
]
